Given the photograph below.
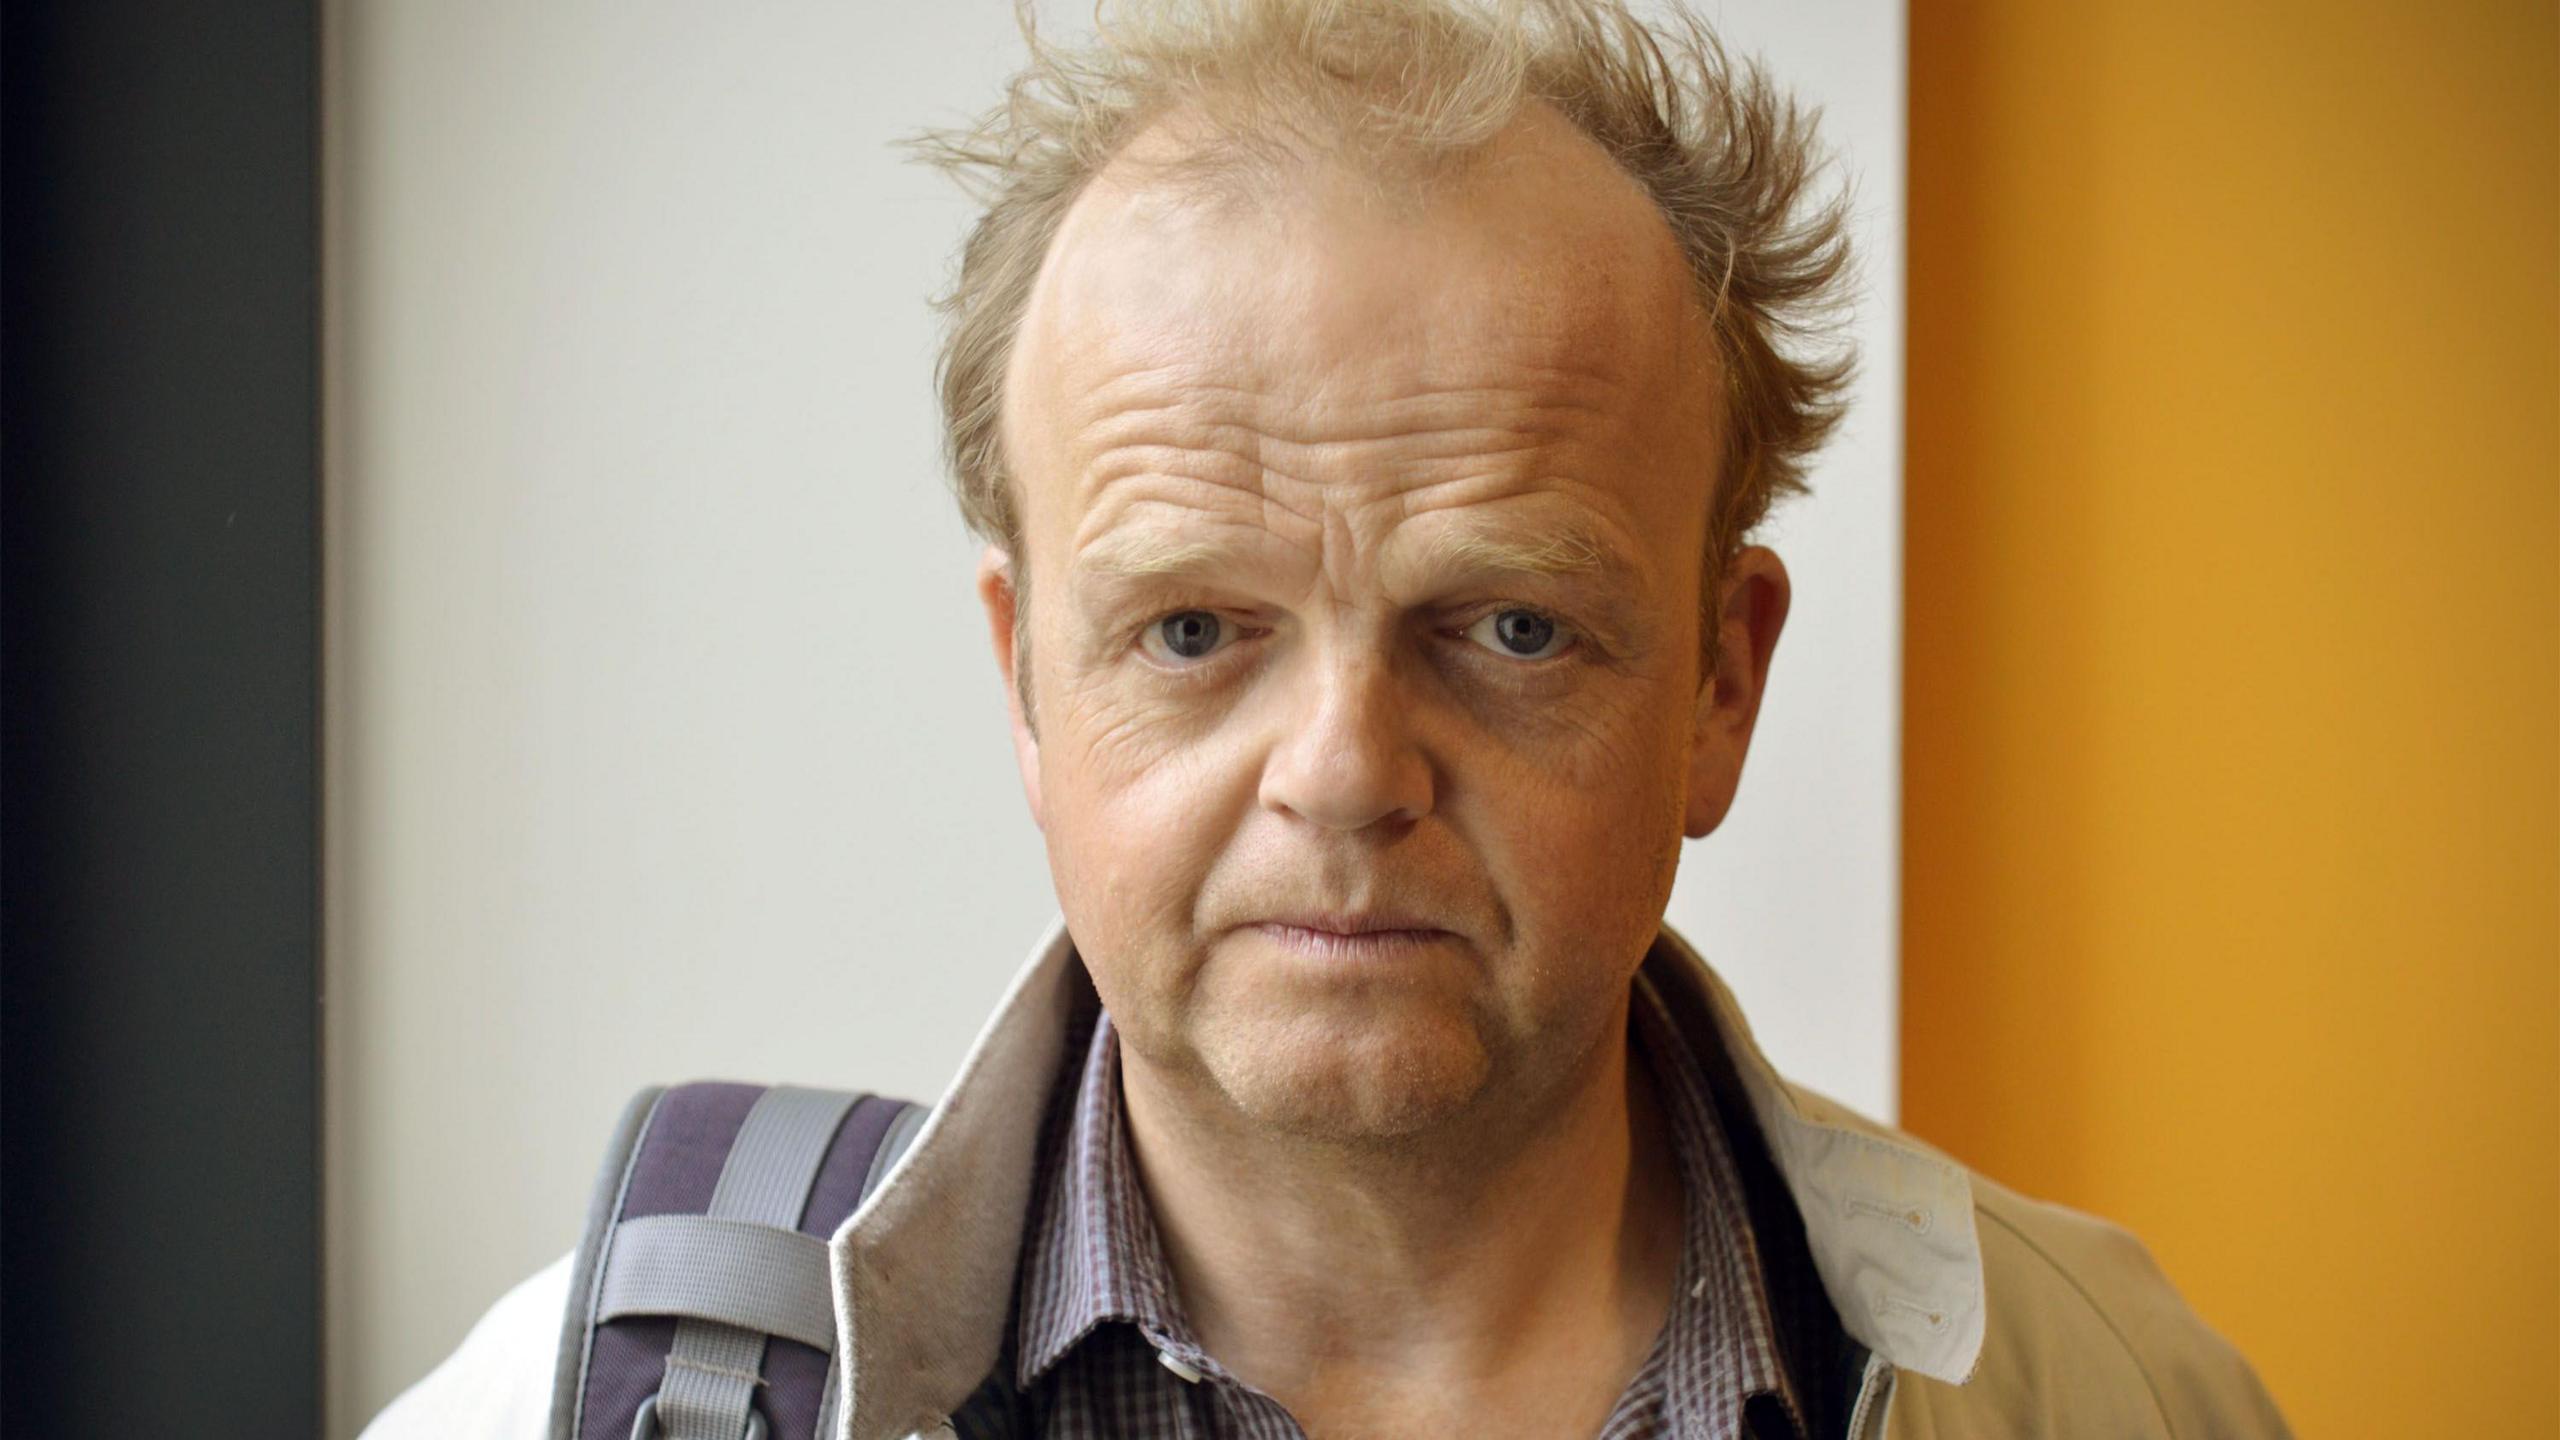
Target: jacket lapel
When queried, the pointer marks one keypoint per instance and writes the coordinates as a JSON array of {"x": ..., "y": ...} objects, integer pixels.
[{"x": 1889, "y": 1220}]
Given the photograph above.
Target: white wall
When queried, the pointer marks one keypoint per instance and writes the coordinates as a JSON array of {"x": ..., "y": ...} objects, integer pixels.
[
  {"x": 1796, "y": 900},
  {"x": 663, "y": 740}
]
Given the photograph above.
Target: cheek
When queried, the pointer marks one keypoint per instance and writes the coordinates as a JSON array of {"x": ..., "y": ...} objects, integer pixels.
[
  {"x": 1115, "y": 731},
  {"x": 1136, "y": 822},
  {"x": 1582, "y": 831}
]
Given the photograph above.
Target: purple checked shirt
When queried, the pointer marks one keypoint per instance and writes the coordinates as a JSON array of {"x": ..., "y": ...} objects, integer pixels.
[{"x": 1101, "y": 1347}]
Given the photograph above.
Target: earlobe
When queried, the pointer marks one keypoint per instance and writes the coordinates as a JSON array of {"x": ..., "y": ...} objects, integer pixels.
[
  {"x": 1714, "y": 770},
  {"x": 996, "y": 591},
  {"x": 1755, "y": 596}
]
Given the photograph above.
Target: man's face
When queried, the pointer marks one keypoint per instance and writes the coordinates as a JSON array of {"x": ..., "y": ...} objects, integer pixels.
[{"x": 1366, "y": 546}]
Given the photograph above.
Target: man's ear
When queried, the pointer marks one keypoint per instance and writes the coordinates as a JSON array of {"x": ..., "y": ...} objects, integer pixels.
[
  {"x": 997, "y": 592},
  {"x": 1754, "y": 598}
]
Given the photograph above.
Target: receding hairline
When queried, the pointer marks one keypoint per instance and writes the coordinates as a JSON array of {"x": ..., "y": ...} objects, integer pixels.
[
  {"x": 1201, "y": 148},
  {"x": 1618, "y": 274}
]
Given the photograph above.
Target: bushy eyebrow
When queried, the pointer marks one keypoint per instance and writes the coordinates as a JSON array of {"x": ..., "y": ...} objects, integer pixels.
[
  {"x": 1561, "y": 550},
  {"x": 1138, "y": 554},
  {"x": 1611, "y": 583},
  {"x": 1467, "y": 552}
]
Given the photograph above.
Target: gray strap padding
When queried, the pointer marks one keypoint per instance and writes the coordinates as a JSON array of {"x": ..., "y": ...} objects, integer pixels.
[
  {"x": 829, "y": 1400},
  {"x": 613, "y": 1179},
  {"x": 737, "y": 1272},
  {"x": 713, "y": 1369},
  {"x": 901, "y": 1133},
  {"x": 767, "y": 1175}
]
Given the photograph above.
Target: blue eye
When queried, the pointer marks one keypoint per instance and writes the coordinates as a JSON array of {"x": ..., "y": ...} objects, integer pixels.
[
  {"x": 1183, "y": 636},
  {"x": 1521, "y": 634}
]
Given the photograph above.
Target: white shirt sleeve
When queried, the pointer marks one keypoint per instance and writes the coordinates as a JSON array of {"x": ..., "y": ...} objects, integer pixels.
[{"x": 497, "y": 1383}]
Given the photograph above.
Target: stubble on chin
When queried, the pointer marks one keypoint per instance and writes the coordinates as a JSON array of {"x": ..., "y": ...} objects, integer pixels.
[{"x": 1445, "y": 1076}]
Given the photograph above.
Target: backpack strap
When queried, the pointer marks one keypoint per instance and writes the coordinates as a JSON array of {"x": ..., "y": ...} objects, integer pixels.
[{"x": 700, "y": 1306}]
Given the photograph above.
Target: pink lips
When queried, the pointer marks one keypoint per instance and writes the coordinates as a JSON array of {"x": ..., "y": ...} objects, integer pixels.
[{"x": 1351, "y": 937}]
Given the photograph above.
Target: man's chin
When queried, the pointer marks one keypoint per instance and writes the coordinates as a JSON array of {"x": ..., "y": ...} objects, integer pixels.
[{"x": 1354, "y": 1089}]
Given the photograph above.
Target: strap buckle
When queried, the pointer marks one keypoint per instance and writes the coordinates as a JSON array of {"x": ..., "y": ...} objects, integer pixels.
[{"x": 644, "y": 1426}]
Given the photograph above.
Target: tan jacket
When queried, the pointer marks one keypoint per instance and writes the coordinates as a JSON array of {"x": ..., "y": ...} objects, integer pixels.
[{"x": 1987, "y": 1313}]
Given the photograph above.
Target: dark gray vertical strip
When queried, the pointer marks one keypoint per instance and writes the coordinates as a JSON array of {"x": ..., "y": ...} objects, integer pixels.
[{"x": 159, "y": 1040}]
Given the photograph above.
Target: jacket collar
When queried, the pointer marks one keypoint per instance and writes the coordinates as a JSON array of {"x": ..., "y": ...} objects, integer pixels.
[{"x": 1888, "y": 1220}]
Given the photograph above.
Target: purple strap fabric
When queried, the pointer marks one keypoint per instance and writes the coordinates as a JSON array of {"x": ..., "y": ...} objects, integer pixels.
[{"x": 674, "y": 1171}]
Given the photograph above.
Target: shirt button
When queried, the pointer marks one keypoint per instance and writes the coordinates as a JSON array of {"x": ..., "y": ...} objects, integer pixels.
[{"x": 1173, "y": 1363}]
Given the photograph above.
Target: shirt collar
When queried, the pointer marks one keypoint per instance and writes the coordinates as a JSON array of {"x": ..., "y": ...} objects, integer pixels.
[
  {"x": 1889, "y": 1221},
  {"x": 1094, "y": 1254},
  {"x": 1723, "y": 1303}
]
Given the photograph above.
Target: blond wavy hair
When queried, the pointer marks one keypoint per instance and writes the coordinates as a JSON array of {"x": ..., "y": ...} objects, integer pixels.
[{"x": 1402, "y": 87}]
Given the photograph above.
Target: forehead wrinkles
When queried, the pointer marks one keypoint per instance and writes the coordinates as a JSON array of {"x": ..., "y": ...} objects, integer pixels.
[
  {"x": 1304, "y": 357},
  {"x": 1169, "y": 436},
  {"x": 1395, "y": 347},
  {"x": 1183, "y": 412}
]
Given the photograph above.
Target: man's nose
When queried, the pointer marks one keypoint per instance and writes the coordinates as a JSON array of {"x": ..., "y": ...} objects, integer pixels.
[{"x": 1347, "y": 756}]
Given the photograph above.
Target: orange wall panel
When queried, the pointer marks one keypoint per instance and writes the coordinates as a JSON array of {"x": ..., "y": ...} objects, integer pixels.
[{"x": 2232, "y": 700}]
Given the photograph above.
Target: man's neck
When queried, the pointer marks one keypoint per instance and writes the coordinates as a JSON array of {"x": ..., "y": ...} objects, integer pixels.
[{"x": 1517, "y": 1268}]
